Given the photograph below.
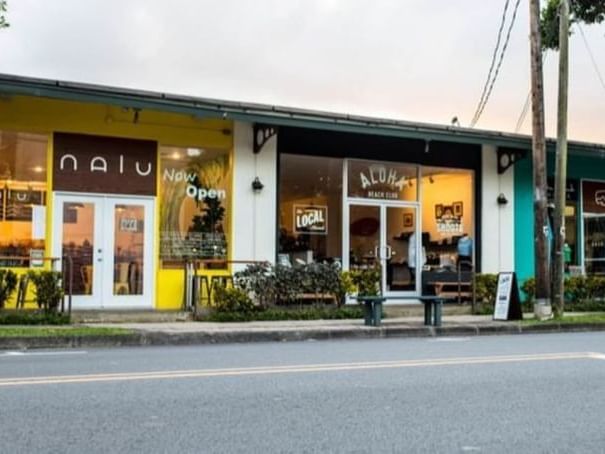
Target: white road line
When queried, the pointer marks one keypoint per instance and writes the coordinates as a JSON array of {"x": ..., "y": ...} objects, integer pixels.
[
  {"x": 597, "y": 356},
  {"x": 52, "y": 353},
  {"x": 450, "y": 339},
  {"x": 302, "y": 368}
]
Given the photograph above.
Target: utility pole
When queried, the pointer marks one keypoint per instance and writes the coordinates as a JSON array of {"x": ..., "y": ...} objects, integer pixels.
[
  {"x": 558, "y": 268},
  {"x": 542, "y": 307}
]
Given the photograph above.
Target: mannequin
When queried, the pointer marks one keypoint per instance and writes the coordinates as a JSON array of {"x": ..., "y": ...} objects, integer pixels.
[{"x": 465, "y": 251}]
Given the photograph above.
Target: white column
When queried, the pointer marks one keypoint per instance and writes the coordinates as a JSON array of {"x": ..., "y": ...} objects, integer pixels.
[
  {"x": 254, "y": 213},
  {"x": 497, "y": 221}
]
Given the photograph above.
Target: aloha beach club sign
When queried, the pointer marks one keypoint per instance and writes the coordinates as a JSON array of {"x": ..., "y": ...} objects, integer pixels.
[
  {"x": 377, "y": 181},
  {"x": 311, "y": 219}
]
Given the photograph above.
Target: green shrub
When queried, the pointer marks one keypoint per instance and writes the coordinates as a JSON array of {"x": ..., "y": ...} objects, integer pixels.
[
  {"x": 8, "y": 284},
  {"x": 273, "y": 314},
  {"x": 529, "y": 290},
  {"x": 48, "y": 289},
  {"x": 32, "y": 318},
  {"x": 270, "y": 285},
  {"x": 486, "y": 287},
  {"x": 367, "y": 281},
  {"x": 232, "y": 299}
]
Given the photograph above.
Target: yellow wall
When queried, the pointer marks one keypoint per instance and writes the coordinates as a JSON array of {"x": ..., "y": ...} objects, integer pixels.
[{"x": 40, "y": 115}]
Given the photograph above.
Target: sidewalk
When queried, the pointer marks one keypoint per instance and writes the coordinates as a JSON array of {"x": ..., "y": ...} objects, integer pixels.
[{"x": 196, "y": 333}]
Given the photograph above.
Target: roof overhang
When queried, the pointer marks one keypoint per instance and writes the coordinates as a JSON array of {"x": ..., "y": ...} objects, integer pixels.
[{"x": 266, "y": 114}]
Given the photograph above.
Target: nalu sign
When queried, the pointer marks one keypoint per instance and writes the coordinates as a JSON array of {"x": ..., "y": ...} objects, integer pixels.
[
  {"x": 311, "y": 219},
  {"x": 84, "y": 163}
]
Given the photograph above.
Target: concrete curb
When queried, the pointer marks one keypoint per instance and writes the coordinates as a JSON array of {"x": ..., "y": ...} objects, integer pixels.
[{"x": 158, "y": 338}]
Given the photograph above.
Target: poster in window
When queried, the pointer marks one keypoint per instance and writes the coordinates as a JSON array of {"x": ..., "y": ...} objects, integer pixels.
[{"x": 311, "y": 219}]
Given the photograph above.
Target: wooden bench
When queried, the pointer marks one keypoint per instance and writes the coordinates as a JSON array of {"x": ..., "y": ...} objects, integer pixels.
[
  {"x": 450, "y": 289},
  {"x": 433, "y": 306}
]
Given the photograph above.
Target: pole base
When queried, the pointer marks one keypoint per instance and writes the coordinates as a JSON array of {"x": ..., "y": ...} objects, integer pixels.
[{"x": 542, "y": 310}]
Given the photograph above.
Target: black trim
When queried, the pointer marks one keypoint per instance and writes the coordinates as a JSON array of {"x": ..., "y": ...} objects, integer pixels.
[{"x": 314, "y": 142}]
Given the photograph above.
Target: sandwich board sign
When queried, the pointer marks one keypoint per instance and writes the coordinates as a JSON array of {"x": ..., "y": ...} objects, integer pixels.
[{"x": 508, "y": 303}]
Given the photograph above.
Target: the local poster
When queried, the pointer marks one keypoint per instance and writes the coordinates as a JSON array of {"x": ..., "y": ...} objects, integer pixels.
[{"x": 311, "y": 219}]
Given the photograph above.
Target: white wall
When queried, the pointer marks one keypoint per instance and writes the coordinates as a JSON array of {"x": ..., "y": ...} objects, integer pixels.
[
  {"x": 254, "y": 214},
  {"x": 497, "y": 221}
]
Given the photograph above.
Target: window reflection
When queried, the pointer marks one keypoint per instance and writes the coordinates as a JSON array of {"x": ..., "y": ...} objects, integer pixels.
[
  {"x": 310, "y": 209},
  {"x": 22, "y": 194},
  {"x": 195, "y": 205}
]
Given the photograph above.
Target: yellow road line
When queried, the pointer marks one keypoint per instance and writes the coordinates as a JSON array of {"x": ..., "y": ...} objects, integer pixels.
[{"x": 302, "y": 368}]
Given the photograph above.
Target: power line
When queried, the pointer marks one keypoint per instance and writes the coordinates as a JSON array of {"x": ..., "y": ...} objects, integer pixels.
[
  {"x": 481, "y": 107},
  {"x": 594, "y": 62},
  {"x": 493, "y": 62}
]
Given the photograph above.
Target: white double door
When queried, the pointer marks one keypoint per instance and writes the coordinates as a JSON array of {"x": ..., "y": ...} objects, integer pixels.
[
  {"x": 110, "y": 242},
  {"x": 385, "y": 235}
]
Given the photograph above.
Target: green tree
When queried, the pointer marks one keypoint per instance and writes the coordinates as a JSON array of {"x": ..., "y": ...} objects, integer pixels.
[
  {"x": 581, "y": 11},
  {"x": 3, "y": 22}
]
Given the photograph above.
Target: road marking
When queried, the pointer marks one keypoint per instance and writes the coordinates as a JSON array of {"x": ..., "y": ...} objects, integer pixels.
[
  {"x": 450, "y": 339},
  {"x": 53, "y": 353},
  {"x": 301, "y": 368},
  {"x": 597, "y": 355}
]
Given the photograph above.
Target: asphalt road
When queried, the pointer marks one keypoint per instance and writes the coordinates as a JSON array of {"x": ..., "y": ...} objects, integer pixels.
[{"x": 513, "y": 394}]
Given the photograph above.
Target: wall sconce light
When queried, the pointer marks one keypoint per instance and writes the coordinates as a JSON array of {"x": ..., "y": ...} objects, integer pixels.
[
  {"x": 502, "y": 200},
  {"x": 257, "y": 186}
]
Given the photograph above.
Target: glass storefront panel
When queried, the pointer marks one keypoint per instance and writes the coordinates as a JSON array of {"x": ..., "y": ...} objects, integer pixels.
[
  {"x": 401, "y": 249},
  {"x": 382, "y": 181},
  {"x": 593, "y": 207},
  {"x": 448, "y": 217},
  {"x": 78, "y": 242},
  {"x": 195, "y": 205},
  {"x": 364, "y": 237},
  {"x": 310, "y": 209},
  {"x": 22, "y": 195},
  {"x": 129, "y": 247}
]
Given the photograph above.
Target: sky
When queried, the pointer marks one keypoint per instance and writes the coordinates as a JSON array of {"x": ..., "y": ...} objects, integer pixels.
[{"x": 413, "y": 60}]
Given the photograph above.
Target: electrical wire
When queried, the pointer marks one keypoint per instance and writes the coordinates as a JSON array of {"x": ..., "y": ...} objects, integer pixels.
[
  {"x": 481, "y": 106},
  {"x": 493, "y": 62},
  {"x": 594, "y": 62}
]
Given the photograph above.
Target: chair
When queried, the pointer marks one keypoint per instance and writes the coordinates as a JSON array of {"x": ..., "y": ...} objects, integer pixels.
[
  {"x": 86, "y": 274},
  {"x": 120, "y": 286}
]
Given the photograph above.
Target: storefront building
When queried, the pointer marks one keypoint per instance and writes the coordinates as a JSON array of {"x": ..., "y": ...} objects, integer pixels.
[{"x": 131, "y": 184}]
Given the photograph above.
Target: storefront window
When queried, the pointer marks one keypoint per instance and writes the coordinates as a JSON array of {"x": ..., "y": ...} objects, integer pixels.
[
  {"x": 571, "y": 219},
  {"x": 310, "y": 209},
  {"x": 593, "y": 205},
  {"x": 383, "y": 181},
  {"x": 195, "y": 205},
  {"x": 22, "y": 196},
  {"x": 447, "y": 217}
]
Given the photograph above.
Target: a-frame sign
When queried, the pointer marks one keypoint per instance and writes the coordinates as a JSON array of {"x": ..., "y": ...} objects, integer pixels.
[{"x": 508, "y": 303}]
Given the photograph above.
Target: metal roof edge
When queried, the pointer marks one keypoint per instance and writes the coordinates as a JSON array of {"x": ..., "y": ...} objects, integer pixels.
[{"x": 276, "y": 115}]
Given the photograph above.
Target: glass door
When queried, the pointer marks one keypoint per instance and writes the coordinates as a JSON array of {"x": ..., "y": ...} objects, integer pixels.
[
  {"x": 403, "y": 259},
  {"x": 78, "y": 234},
  {"x": 364, "y": 237},
  {"x": 385, "y": 236},
  {"x": 128, "y": 267},
  {"x": 111, "y": 244}
]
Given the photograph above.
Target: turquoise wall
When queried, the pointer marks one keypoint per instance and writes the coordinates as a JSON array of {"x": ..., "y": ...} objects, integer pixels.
[
  {"x": 579, "y": 167},
  {"x": 524, "y": 220}
]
